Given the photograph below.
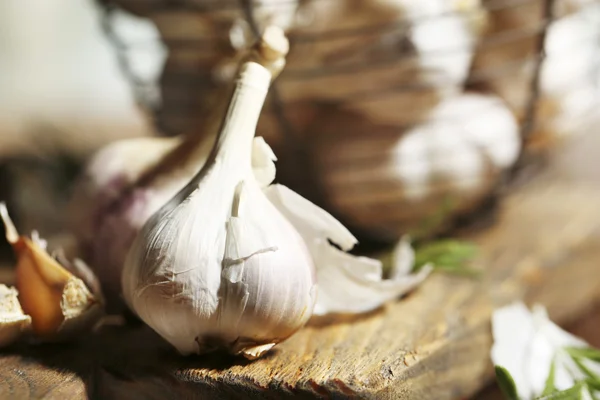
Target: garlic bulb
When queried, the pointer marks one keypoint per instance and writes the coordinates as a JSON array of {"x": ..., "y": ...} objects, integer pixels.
[
  {"x": 570, "y": 74},
  {"x": 56, "y": 301},
  {"x": 231, "y": 263},
  {"x": 568, "y": 84},
  {"x": 217, "y": 265},
  {"x": 418, "y": 180}
]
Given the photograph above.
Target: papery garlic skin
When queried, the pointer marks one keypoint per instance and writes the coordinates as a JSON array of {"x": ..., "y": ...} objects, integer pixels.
[
  {"x": 13, "y": 321},
  {"x": 219, "y": 265}
]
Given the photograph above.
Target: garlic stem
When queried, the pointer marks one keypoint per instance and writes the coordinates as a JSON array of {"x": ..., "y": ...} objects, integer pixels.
[
  {"x": 233, "y": 146},
  {"x": 242, "y": 116}
]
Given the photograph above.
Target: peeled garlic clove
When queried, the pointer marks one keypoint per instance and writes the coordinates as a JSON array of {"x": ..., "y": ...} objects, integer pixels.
[
  {"x": 13, "y": 321},
  {"x": 347, "y": 283},
  {"x": 58, "y": 302}
]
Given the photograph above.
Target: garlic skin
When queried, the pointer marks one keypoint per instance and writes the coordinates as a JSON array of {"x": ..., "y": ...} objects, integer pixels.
[
  {"x": 13, "y": 321},
  {"x": 347, "y": 284}
]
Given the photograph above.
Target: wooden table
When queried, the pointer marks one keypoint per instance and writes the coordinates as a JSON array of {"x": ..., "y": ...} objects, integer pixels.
[{"x": 434, "y": 344}]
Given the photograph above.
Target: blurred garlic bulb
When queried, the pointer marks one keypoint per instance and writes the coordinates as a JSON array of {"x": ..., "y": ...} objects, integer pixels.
[
  {"x": 571, "y": 72},
  {"x": 219, "y": 265},
  {"x": 55, "y": 300},
  {"x": 444, "y": 34},
  {"x": 568, "y": 84},
  {"x": 418, "y": 180},
  {"x": 232, "y": 262}
]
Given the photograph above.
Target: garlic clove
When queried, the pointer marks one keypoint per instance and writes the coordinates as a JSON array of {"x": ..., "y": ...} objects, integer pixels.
[
  {"x": 347, "y": 284},
  {"x": 58, "y": 302},
  {"x": 13, "y": 321}
]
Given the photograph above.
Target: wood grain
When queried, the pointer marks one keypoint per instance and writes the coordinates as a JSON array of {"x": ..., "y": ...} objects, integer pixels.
[{"x": 434, "y": 344}]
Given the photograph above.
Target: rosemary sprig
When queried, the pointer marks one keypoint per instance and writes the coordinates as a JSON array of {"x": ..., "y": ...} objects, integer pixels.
[{"x": 448, "y": 255}]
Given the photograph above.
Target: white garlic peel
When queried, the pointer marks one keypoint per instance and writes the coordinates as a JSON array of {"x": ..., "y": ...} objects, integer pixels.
[
  {"x": 229, "y": 263},
  {"x": 13, "y": 321},
  {"x": 347, "y": 284}
]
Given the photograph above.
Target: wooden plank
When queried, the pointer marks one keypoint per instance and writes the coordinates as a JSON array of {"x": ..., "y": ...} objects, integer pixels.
[{"x": 434, "y": 344}]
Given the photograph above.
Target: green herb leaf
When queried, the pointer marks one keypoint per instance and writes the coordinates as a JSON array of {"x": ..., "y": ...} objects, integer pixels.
[
  {"x": 589, "y": 353},
  {"x": 447, "y": 255},
  {"x": 506, "y": 383},
  {"x": 573, "y": 393},
  {"x": 549, "y": 387}
]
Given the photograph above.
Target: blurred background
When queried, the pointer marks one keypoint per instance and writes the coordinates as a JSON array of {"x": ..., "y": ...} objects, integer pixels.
[{"x": 397, "y": 116}]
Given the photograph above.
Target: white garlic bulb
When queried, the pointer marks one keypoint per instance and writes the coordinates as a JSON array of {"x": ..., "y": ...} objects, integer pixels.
[
  {"x": 232, "y": 262},
  {"x": 570, "y": 74},
  {"x": 416, "y": 181},
  {"x": 217, "y": 265}
]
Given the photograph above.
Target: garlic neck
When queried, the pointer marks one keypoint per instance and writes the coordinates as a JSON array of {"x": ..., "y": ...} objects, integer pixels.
[
  {"x": 234, "y": 143},
  {"x": 233, "y": 147}
]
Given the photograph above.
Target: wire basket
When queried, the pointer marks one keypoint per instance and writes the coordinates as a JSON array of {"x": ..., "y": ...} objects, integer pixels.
[{"x": 397, "y": 116}]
